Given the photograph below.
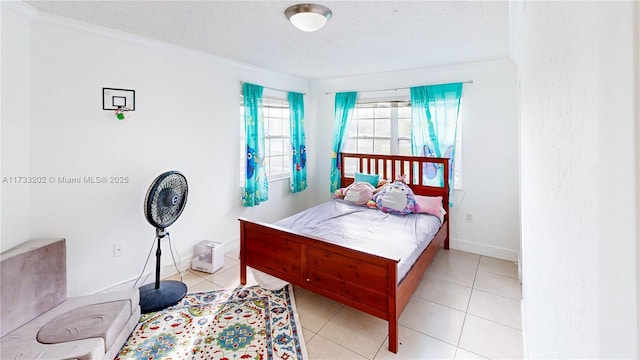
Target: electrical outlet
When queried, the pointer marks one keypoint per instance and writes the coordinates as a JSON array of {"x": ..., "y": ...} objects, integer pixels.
[
  {"x": 469, "y": 217},
  {"x": 117, "y": 249}
]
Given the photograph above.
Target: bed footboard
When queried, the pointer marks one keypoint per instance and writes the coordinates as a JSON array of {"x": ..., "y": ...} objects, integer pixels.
[{"x": 363, "y": 281}]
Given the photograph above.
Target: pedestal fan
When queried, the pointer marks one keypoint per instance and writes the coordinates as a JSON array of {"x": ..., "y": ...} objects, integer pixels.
[{"x": 163, "y": 204}]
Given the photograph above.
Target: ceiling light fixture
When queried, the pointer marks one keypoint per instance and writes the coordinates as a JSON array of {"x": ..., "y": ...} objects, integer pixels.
[{"x": 308, "y": 17}]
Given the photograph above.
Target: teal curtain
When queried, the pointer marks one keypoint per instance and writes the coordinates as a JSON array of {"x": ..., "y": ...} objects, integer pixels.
[
  {"x": 435, "y": 111},
  {"x": 298, "y": 179},
  {"x": 256, "y": 189},
  {"x": 344, "y": 104}
]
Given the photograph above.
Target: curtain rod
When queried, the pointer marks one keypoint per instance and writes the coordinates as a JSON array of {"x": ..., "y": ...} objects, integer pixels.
[
  {"x": 270, "y": 88},
  {"x": 395, "y": 89}
]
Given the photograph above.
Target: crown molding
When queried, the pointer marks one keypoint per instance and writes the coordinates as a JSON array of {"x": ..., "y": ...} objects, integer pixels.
[
  {"x": 62, "y": 22},
  {"x": 32, "y": 16},
  {"x": 18, "y": 10}
]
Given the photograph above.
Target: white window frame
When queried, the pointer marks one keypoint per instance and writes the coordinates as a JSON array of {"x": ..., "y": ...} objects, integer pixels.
[
  {"x": 394, "y": 137},
  {"x": 268, "y": 103}
]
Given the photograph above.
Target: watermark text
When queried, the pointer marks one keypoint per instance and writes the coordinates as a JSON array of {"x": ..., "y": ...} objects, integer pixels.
[{"x": 81, "y": 179}]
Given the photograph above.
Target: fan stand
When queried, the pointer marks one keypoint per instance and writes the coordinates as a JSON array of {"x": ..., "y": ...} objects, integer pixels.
[{"x": 162, "y": 294}]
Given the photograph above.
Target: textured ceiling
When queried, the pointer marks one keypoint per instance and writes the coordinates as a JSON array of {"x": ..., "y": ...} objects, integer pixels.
[{"x": 361, "y": 37}]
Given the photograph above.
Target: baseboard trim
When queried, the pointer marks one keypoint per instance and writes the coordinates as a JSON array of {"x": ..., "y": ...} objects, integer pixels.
[
  {"x": 483, "y": 249},
  {"x": 183, "y": 264},
  {"x": 232, "y": 244},
  {"x": 524, "y": 330},
  {"x": 128, "y": 284}
]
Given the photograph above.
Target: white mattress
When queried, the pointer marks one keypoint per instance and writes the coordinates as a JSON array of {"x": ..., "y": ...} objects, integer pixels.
[{"x": 398, "y": 237}]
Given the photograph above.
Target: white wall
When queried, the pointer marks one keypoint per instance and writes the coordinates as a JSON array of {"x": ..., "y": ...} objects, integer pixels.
[
  {"x": 579, "y": 181},
  {"x": 186, "y": 118},
  {"x": 489, "y": 149},
  {"x": 16, "y": 117},
  {"x": 636, "y": 31}
]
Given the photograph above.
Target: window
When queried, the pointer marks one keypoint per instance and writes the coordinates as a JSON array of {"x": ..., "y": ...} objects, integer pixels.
[
  {"x": 277, "y": 157},
  {"x": 380, "y": 128},
  {"x": 384, "y": 127}
]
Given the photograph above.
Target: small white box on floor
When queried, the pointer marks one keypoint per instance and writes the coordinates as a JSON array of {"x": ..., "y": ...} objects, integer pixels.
[{"x": 208, "y": 256}]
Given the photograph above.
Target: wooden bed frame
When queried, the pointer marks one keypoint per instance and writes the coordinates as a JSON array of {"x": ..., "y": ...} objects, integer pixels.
[{"x": 363, "y": 281}]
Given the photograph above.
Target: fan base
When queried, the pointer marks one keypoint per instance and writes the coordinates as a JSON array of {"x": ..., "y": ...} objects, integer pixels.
[{"x": 169, "y": 293}]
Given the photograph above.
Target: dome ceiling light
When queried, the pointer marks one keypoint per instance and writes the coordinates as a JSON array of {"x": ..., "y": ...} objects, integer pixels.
[{"x": 308, "y": 17}]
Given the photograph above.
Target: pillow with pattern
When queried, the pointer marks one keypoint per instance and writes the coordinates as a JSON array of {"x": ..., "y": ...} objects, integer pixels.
[{"x": 396, "y": 198}]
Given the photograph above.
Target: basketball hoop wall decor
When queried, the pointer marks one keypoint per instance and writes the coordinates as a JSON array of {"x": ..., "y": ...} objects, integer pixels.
[{"x": 118, "y": 100}]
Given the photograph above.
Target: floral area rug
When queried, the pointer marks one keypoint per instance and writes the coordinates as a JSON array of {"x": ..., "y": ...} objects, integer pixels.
[{"x": 243, "y": 323}]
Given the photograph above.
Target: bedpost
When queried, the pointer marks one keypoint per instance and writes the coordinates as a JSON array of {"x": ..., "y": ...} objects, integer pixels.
[
  {"x": 446, "y": 239},
  {"x": 447, "y": 201},
  {"x": 341, "y": 155},
  {"x": 243, "y": 264},
  {"x": 393, "y": 335},
  {"x": 392, "y": 271}
]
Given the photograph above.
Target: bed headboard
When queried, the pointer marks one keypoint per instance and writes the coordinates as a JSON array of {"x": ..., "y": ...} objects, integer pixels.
[{"x": 391, "y": 166}]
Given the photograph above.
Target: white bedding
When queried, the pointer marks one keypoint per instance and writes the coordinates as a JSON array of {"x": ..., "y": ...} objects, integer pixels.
[{"x": 401, "y": 237}]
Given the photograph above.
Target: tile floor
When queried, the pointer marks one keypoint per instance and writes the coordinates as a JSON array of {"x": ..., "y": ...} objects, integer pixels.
[{"x": 466, "y": 307}]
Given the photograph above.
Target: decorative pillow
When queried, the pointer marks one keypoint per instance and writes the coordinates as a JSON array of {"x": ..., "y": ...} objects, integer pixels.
[
  {"x": 358, "y": 193},
  {"x": 396, "y": 198},
  {"x": 370, "y": 178},
  {"x": 430, "y": 205}
]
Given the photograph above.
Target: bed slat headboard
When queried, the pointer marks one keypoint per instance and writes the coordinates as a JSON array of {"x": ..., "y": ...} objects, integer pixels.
[{"x": 391, "y": 166}]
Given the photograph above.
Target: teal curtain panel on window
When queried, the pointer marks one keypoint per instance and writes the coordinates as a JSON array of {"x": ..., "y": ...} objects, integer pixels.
[
  {"x": 256, "y": 189},
  {"x": 344, "y": 104},
  {"x": 435, "y": 110},
  {"x": 298, "y": 179}
]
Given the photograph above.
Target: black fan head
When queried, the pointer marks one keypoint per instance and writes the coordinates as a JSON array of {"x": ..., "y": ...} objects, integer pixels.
[{"x": 166, "y": 199}]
